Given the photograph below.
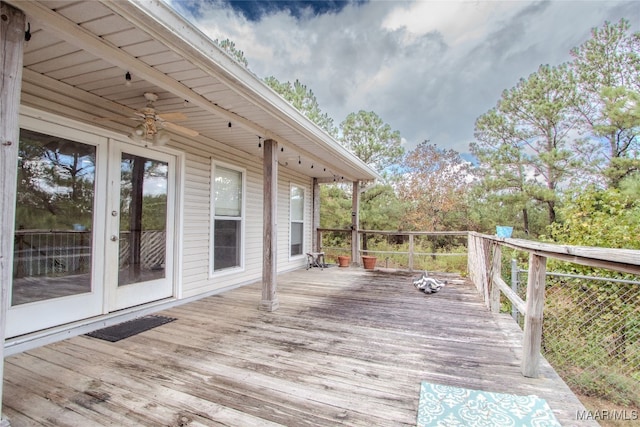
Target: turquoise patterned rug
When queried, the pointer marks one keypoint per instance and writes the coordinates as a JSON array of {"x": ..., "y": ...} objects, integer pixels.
[{"x": 445, "y": 406}]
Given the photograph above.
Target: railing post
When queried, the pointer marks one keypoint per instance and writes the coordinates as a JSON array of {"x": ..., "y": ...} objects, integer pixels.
[
  {"x": 410, "y": 252},
  {"x": 533, "y": 318},
  {"x": 496, "y": 267},
  {"x": 514, "y": 286}
]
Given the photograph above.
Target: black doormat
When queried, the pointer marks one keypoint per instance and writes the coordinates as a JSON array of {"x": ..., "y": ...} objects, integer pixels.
[{"x": 130, "y": 328}]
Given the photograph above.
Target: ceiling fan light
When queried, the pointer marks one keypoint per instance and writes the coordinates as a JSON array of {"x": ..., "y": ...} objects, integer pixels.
[
  {"x": 140, "y": 130},
  {"x": 161, "y": 138},
  {"x": 134, "y": 136}
]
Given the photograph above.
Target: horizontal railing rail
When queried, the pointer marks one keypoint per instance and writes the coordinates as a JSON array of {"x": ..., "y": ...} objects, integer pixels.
[
  {"x": 409, "y": 238},
  {"x": 485, "y": 266}
]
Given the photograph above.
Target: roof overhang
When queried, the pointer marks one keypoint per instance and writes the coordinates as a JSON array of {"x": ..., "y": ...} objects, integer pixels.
[{"x": 80, "y": 51}]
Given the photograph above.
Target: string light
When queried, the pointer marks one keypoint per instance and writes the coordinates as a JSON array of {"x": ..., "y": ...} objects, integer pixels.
[{"x": 127, "y": 78}]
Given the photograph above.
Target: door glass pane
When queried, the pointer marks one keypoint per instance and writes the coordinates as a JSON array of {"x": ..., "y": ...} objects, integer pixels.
[
  {"x": 143, "y": 219},
  {"x": 54, "y": 218}
]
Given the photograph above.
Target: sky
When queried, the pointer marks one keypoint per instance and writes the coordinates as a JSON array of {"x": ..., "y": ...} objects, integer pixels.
[{"x": 428, "y": 68}]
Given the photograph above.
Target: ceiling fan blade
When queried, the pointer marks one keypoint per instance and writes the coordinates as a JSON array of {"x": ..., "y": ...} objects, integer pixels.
[
  {"x": 114, "y": 118},
  {"x": 172, "y": 117},
  {"x": 181, "y": 129},
  {"x": 107, "y": 119}
]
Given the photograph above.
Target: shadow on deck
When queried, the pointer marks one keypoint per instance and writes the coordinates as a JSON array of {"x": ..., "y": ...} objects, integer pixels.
[{"x": 347, "y": 346}]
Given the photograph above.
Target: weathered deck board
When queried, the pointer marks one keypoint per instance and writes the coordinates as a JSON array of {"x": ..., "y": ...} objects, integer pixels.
[{"x": 346, "y": 346}]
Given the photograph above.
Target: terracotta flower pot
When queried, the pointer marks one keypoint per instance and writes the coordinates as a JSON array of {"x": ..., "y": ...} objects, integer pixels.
[
  {"x": 368, "y": 262},
  {"x": 344, "y": 261}
]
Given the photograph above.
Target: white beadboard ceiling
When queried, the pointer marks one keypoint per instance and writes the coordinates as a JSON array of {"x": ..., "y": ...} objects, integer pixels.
[{"x": 79, "y": 52}]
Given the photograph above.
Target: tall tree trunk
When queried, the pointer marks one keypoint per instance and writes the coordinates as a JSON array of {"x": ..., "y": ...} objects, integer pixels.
[{"x": 552, "y": 211}]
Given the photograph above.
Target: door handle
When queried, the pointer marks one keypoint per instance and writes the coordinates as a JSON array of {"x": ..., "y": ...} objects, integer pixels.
[{"x": 114, "y": 238}]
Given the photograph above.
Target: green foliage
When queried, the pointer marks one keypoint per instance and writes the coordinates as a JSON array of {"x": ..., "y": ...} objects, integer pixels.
[
  {"x": 335, "y": 206},
  {"x": 523, "y": 143},
  {"x": 372, "y": 140},
  {"x": 591, "y": 337},
  {"x": 380, "y": 209},
  {"x": 605, "y": 218},
  {"x": 304, "y": 101},
  {"x": 230, "y": 48},
  {"x": 607, "y": 70},
  {"x": 604, "y": 314},
  {"x": 622, "y": 169}
]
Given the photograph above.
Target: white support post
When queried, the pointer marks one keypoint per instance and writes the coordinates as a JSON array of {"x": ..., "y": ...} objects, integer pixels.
[
  {"x": 12, "y": 27},
  {"x": 355, "y": 220},
  {"x": 316, "y": 243},
  {"x": 532, "y": 342},
  {"x": 270, "y": 241}
]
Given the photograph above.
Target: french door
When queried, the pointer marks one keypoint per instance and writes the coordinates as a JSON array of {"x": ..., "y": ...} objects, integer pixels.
[
  {"x": 140, "y": 226},
  {"x": 94, "y": 229}
]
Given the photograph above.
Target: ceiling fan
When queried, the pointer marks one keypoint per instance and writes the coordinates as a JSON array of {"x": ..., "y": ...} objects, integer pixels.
[{"x": 153, "y": 124}]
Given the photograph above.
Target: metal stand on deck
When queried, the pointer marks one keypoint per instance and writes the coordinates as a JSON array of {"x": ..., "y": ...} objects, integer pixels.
[{"x": 315, "y": 259}]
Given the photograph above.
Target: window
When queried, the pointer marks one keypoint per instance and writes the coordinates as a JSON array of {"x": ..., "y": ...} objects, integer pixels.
[
  {"x": 297, "y": 220},
  {"x": 228, "y": 205}
]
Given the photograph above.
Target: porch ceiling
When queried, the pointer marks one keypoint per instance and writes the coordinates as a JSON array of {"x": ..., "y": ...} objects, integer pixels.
[{"x": 79, "y": 52}]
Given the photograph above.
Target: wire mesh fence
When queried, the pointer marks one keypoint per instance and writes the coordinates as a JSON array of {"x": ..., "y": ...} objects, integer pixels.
[{"x": 591, "y": 334}]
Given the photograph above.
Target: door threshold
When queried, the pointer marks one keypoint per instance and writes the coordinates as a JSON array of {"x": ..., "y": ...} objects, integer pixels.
[{"x": 36, "y": 339}]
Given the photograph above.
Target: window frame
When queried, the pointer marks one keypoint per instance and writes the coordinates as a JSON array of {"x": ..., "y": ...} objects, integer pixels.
[
  {"x": 292, "y": 221},
  {"x": 241, "y": 218}
]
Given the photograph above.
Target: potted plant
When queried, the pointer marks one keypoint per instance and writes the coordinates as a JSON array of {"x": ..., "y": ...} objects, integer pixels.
[
  {"x": 368, "y": 262},
  {"x": 344, "y": 261}
]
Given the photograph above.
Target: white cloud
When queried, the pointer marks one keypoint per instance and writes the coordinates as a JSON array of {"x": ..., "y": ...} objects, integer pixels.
[{"x": 428, "y": 68}]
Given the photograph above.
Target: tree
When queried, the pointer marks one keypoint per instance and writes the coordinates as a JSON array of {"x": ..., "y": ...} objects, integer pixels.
[
  {"x": 502, "y": 167},
  {"x": 335, "y": 207},
  {"x": 528, "y": 132},
  {"x": 433, "y": 186},
  {"x": 230, "y": 48},
  {"x": 606, "y": 218},
  {"x": 382, "y": 210},
  {"x": 303, "y": 99},
  {"x": 373, "y": 141},
  {"x": 607, "y": 70}
]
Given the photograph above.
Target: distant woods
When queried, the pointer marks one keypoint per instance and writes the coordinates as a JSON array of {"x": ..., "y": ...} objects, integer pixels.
[{"x": 562, "y": 144}]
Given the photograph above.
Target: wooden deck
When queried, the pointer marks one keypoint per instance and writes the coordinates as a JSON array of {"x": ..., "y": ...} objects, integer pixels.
[{"x": 347, "y": 346}]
